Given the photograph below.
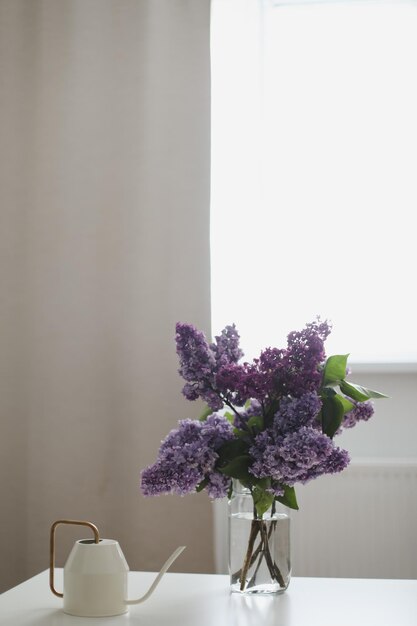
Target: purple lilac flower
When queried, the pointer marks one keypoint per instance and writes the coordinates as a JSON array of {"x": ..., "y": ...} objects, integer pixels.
[
  {"x": 304, "y": 358},
  {"x": 292, "y": 447},
  {"x": 183, "y": 461},
  {"x": 256, "y": 380},
  {"x": 276, "y": 489},
  {"x": 186, "y": 456},
  {"x": 166, "y": 476},
  {"x": 218, "y": 485},
  {"x": 200, "y": 362},
  {"x": 362, "y": 411},
  {"x": 196, "y": 358},
  {"x": 293, "y": 371},
  {"x": 296, "y": 457},
  {"x": 226, "y": 347},
  {"x": 338, "y": 460},
  {"x": 215, "y": 430},
  {"x": 272, "y": 365},
  {"x": 197, "y": 363},
  {"x": 240, "y": 383},
  {"x": 265, "y": 452},
  {"x": 191, "y": 391},
  {"x": 305, "y": 448},
  {"x": 296, "y": 412}
]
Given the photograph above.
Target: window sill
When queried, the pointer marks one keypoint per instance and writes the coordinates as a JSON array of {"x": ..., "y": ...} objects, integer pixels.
[{"x": 384, "y": 368}]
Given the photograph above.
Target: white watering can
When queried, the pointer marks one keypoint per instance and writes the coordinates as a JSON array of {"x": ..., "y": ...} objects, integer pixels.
[{"x": 95, "y": 575}]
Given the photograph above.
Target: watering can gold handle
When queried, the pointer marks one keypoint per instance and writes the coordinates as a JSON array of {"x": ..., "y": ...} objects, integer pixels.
[{"x": 52, "y": 547}]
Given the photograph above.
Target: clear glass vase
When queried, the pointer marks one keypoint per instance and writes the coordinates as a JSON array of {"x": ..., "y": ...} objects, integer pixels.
[{"x": 259, "y": 549}]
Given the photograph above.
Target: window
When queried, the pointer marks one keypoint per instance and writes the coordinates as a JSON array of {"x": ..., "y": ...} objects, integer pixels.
[{"x": 314, "y": 173}]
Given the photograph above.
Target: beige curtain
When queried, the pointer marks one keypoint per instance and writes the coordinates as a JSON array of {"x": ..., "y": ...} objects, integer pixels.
[{"x": 104, "y": 239}]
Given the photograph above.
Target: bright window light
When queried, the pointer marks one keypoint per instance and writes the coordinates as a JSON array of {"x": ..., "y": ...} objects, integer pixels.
[{"x": 314, "y": 173}]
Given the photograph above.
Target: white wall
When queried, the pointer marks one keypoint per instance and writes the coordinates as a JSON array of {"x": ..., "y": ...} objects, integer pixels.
[
  {"x": 392, "y": 431},
  {"x": 104, "y": 244}
]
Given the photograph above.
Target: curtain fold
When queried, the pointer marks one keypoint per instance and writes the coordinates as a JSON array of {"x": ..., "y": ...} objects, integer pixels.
[{"x": 104, "y": 239}]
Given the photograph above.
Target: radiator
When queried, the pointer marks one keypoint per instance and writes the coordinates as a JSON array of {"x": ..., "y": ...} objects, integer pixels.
[{"x": 361, "y": 523}]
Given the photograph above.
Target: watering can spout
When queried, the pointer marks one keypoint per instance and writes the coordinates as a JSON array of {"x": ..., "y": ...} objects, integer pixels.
[{"x": 157, "y": 580}]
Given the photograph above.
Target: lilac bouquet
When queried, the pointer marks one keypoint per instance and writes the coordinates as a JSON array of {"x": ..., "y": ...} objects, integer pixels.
[{"x": 269, "y": 423}]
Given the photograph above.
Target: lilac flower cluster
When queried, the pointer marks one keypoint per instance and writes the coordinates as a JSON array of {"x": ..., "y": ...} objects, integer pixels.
[
  {"x": 298, "y": 456},
  {"x": 213, "y": 373},
  {"x": 283, "y": 388},
  {"x": 226, "y": 347},
  {"x": 294, "y": 449},
  {"x": 187, "y": 456},
  {"x": 293, "y": 413},
  {"x": 278, "y": 372},
  {"x": 362, "y": 411},
  {"x": 305, "y": 355},
  {"x": 200, "y": 362}
]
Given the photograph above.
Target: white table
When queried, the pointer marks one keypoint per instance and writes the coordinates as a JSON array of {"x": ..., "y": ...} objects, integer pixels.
[{"x": 205, "y": 600}]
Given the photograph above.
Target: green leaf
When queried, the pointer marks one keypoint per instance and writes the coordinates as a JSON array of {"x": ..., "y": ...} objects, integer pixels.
[
  {"x": 240, "y": 433},
  {"x": 359, "y": 393},
  {"x": 237, "y": 468},
  {"x": 207, "y": 411},
  {"x": 327, "y": 392},
  {"x": 332, "y": 412},
  {"x": 335, "y": 369},
  {"x": 262, "y": 500},
  {"x": 202, "y": 485},
  {"x": 263, "y": 483},
  {"x": 289, "y": 498},
  {"x": 347, "y": 405},
  {"x": 229, "y": 416},
  {"x": 256, "y": 423},
  {"x": 232, "y": 449}
]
